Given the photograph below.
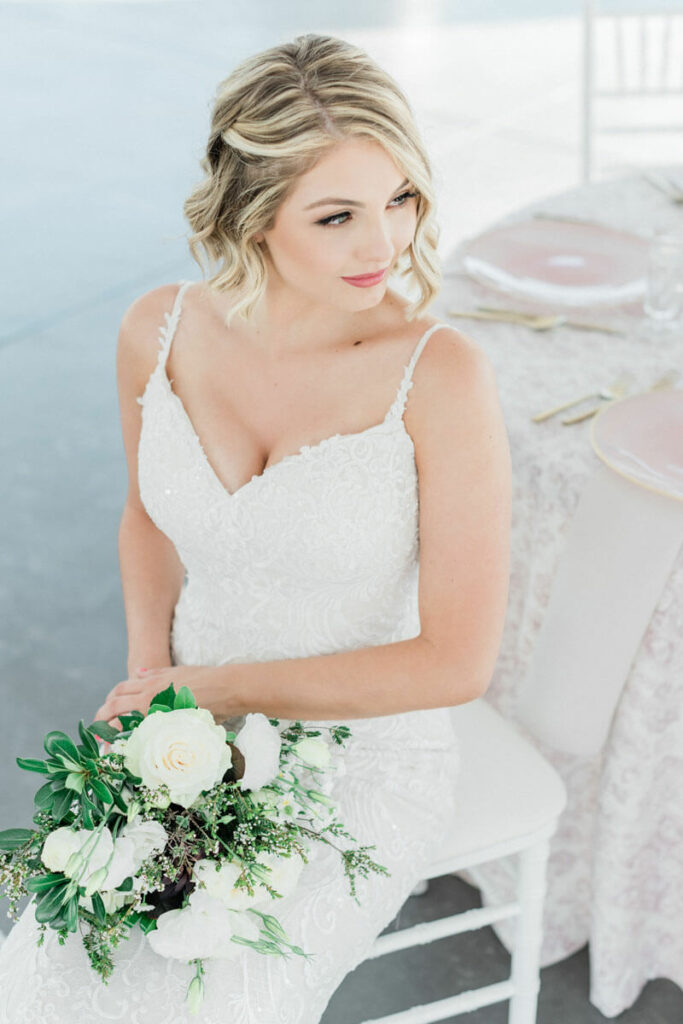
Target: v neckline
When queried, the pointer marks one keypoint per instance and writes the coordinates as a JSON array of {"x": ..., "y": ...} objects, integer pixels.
[
  {"x": 394, "y": 414},
  {"x": 302, "y": 451}
]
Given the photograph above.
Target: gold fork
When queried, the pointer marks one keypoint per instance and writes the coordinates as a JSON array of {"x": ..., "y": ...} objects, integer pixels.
[
  {"x": 669, "y": 380},
  {"x": 535, "y": 321},
  {"x": 611, "y": 391}
]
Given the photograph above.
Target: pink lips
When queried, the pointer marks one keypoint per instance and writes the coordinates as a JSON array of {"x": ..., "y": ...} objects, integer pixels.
[{"x": 366, "y": 280}]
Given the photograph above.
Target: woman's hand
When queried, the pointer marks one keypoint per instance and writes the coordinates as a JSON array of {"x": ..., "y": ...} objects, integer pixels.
[{"x": 136, "y": 693}]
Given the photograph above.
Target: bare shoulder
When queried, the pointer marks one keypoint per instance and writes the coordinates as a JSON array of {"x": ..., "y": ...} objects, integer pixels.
[
  {"x": 452, "y": 370},
  {"x": 138, "y": 339},
  {"x": 453, "y": 413}
]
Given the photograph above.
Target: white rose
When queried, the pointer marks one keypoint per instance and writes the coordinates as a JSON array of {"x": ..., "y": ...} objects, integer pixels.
[
  {"x": 259, "y": 743},
  {"x": 183, "y": 748},
  {"x": 203, "y": 928},
  {"x": 148, "y": 837},
  {"x": 313, "y": 751}
]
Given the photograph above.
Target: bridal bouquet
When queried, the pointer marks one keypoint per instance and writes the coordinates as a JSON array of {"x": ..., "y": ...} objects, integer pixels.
[{"x": 177, "y": 826}]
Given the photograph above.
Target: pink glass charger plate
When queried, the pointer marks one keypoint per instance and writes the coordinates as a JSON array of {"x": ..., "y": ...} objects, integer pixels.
[
  {"x": 561, "y": 263},
  {"x": 641, "y": 438}
]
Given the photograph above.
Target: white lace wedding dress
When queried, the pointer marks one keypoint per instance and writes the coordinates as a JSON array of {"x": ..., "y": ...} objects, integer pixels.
[{"x": 318, "y": 554}]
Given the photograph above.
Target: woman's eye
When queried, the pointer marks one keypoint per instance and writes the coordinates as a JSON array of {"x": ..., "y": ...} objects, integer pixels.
[{"x": 335, "y": 218}]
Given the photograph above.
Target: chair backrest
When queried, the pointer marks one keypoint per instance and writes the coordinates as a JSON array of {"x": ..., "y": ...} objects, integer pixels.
[{"x": 631, "y": 54}]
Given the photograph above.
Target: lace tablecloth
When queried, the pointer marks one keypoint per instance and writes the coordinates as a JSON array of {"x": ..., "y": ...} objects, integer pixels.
[{"x": 615, "y": 874}]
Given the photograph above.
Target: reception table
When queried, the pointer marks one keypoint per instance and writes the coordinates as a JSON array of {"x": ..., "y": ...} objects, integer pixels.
[{"x": 615, "y": 874}]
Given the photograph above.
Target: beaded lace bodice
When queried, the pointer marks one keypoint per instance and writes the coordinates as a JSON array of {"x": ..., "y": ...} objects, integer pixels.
[{"x": 317, "y": 554}]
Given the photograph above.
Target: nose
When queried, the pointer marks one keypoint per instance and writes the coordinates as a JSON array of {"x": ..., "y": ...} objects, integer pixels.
[{"x": 376, "y": 249}]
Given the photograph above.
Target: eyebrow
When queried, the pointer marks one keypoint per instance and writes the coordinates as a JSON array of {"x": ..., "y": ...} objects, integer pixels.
[{"x": 333, "y": 201}]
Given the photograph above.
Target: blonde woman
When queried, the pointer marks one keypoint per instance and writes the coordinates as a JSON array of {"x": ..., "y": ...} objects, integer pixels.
[{"x": 317, "y": 524}]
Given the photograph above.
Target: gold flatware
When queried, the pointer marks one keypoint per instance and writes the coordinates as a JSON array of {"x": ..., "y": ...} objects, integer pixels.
[
  {"x": 609, "y": 392},
  {"x": 669, "y": 380},
  {"x": 536, "y": 322},
  {"x": 542, "y": 322}
]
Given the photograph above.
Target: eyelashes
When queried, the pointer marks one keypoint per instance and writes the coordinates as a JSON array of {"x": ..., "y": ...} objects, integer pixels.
[{"x": 333, "y": 220}]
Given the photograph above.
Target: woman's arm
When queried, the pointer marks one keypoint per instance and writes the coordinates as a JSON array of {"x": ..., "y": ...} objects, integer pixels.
[
  {"x": 151, "y": 572},
  {"x": 464, "y": 471},
  {"x": 465, "y": 483}
]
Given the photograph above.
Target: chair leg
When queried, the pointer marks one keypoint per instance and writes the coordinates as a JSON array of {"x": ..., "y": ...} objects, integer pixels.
[{"x": 525, "y": 971}]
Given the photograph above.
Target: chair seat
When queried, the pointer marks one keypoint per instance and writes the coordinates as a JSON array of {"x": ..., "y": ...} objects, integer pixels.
[{"x": 505, "y": 791}]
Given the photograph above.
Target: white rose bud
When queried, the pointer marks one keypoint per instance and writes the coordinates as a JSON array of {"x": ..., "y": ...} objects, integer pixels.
[
  {"x": 313, "y": 751},
  {"x": 195, "y": 995}
]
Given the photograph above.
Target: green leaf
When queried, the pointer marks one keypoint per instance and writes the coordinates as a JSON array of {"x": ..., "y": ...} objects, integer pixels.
[
  {"x": 166, "y": 697},
  {"x": 14, "y": 838},
  {"x": 148, "y": 924},
  {"x": 62, "y": 804},
  {"x": 57, "y": 743},
  {"x": 126, "y": 885},
  {"x": 119, "y": 801},
  {"x": 128, "y": 721},
  {"x": 105, "y": 731},
  {"x": 49, "y": 904},
  {"x": 85, "y": 812},
  {"x": 31, "y": 764},
  {"x": 184, "y": 698},
  {"x": 102, "y": 791},
  {"x": 75, "y": 781},
  {"x": 44, "y": 797},
  {"x": 88, "y": 740},
  {"x": 71, "y": 914},
  {"x": 41, "y": 883},
  {"x": 98, "y": 907},
  {"x": 57, "y": 772},
  {"x": 158, "y": 707}
]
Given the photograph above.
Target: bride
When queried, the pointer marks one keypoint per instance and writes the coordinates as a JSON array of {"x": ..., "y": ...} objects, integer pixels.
[{"x": 297, "y": 434}]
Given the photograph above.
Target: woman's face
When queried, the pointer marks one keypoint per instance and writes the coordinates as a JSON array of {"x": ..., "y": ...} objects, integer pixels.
[{"x": 352, "y": 214}]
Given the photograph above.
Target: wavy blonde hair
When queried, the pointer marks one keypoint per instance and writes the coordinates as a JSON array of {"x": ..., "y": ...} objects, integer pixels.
[{"x": 273, "y": 118}]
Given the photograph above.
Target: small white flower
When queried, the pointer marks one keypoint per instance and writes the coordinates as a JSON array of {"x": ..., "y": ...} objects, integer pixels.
[
  {"x": 313, "y": 751},
  {"x": 259, "y": 743},
  {"x": 183, "y": 748}
]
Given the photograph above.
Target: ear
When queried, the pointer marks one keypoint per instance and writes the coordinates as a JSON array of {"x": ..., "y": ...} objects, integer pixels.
[{"x": 258, "y": 237}]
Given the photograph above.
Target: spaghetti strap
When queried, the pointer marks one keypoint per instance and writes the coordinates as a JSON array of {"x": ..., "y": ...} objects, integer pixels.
[
  {"x": 167, "y": 330},
  {"x": 399, "y": 403}
]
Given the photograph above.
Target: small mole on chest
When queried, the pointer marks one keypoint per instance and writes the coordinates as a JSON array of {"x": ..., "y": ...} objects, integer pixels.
[{"x": 359, "y": 342}]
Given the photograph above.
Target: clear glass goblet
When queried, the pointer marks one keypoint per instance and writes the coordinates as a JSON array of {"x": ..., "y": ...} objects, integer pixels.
[{"x": 663, "y": 303}]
